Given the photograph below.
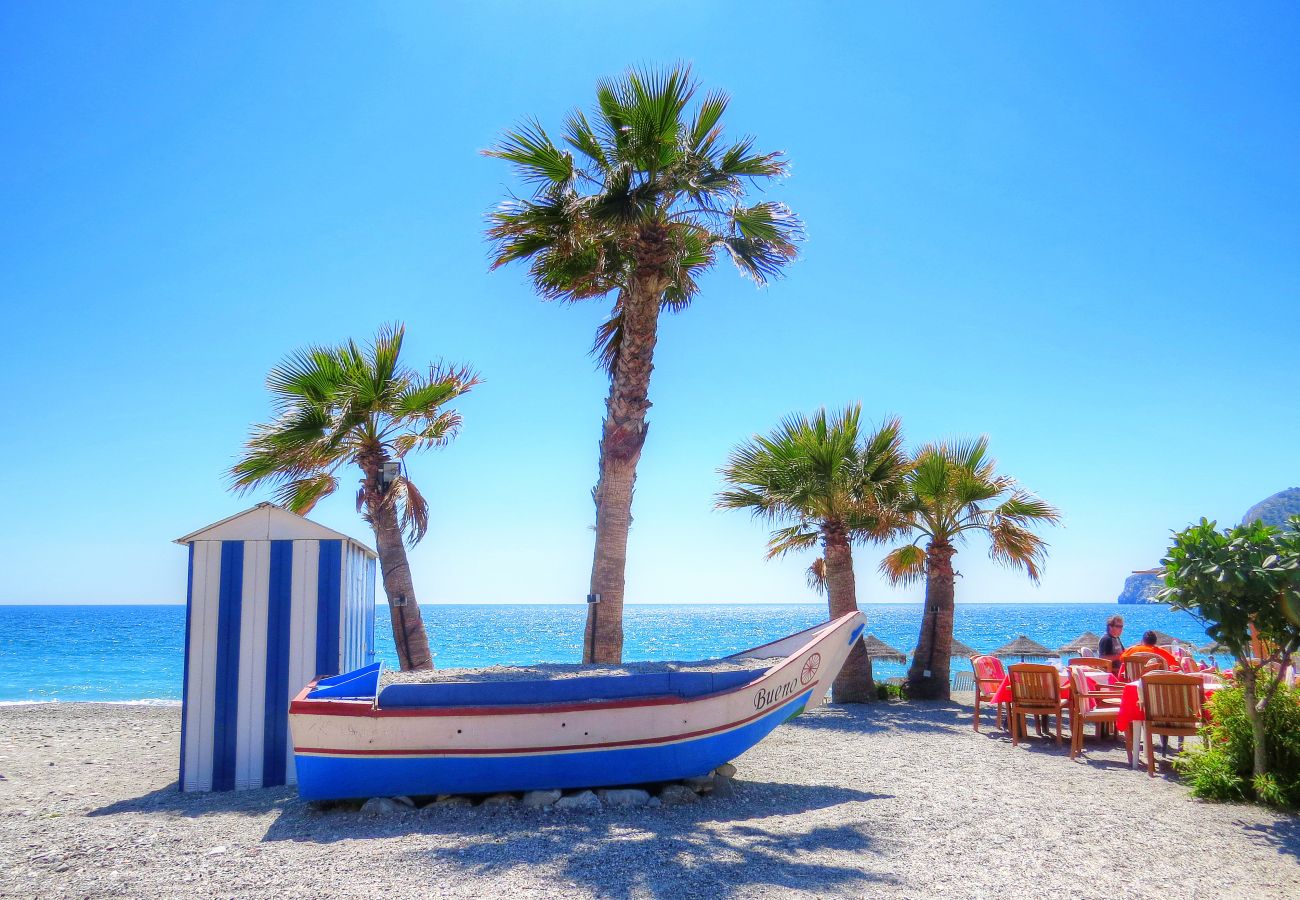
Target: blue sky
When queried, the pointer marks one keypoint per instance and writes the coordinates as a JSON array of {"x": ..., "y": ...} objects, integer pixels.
[{"x": 1074, "y": 229}]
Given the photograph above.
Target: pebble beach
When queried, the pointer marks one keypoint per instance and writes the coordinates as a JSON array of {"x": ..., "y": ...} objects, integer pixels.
[{"x": 884, "y": 800}]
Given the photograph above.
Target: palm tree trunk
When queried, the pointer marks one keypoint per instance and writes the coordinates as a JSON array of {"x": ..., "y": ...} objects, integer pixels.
[
  {"x": 622, "y": 437},
  {"x": 855, "y": 683},
  {"x": 927, "y": 678},
  {"x": 408, "y": 626},
  {"x": 409, "y": 636}
]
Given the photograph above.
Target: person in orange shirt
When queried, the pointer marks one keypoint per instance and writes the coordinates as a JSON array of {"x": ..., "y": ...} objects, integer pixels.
[{"x": 1148, "y": 645}]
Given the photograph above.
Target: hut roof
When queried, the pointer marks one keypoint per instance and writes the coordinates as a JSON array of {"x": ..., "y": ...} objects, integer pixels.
[
  {"x": 1022, "y": 647},
  {"x": 268, "y": 522},
  {"x": 1087, "y": 639},
  {"x": 878, "y": 649}
]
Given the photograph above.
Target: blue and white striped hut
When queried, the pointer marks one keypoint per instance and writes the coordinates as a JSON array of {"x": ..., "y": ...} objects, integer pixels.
[{"x": 274, "y": 600}]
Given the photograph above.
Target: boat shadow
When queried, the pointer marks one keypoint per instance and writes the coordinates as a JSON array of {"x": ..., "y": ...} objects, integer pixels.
[
  {"x": 922, "y": 716},
  {"x": 714, "y": 848},
  {"x": 171, "y": 800}
]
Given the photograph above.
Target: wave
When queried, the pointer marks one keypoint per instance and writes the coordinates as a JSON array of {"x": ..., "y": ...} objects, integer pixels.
[{"x": 142, "y": 702}]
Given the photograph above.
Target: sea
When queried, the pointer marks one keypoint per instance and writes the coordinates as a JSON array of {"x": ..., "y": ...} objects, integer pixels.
[{"x": 134, "y": 653}]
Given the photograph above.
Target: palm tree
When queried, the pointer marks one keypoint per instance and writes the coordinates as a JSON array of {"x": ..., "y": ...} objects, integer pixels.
[
  {"x": 836, "y": 485},
  {"x": 636, "y": 203},
  {"x": 953, "y": 490},
  {"x": 349, "y": 404}
]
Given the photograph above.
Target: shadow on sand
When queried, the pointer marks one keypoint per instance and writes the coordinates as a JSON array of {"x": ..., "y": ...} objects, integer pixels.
[
  {"x": 170, "y": 799},
  {"x": 714, "y": 848}
]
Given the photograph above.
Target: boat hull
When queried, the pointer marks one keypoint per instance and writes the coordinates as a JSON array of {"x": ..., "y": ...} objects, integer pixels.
[{"x": 351, "y": 748}]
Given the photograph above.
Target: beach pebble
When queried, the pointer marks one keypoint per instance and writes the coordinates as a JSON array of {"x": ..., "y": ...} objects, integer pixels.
[
  {"x": 624, "y": 797},
  {"x": 540, "y": 798},
  {"x": 580, "y": 800},
  {"x": 381, "y": 806},
  {"x": 405, "y": 801},
  {"x": 726, "y": 770},
  {"x": 677, "y": 795},
  {"x": 497, "y": 800}
]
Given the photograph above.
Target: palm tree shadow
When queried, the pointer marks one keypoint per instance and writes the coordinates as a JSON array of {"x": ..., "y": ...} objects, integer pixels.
[
  {"x": 935, "y": 716},
  {"x": 714, "y": 848},
  {"x": 1283, "y": 835}
]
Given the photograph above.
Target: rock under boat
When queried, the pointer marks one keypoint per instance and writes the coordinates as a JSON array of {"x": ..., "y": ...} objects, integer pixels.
[{"x": 352, "y": 740}]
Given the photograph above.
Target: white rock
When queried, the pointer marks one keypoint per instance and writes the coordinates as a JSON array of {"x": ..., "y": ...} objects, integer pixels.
[
  {"x": 381, "y": 806},
  {"x": 722, "y": 787},
  {"x": 501, "y": 800},
  {"x": 216, "y": 851},
  {"x": 541, "y": 798},
  {"x": 699, "y": 783},
  {"x": 624, "y": 797},
  {"x": 450, "y": 801},
  {"x": 582, "y": 800},
  {"x": 726, "y": 770},
  {"x": 677, "y": 795},
  {"x": 405, "y": 801}
]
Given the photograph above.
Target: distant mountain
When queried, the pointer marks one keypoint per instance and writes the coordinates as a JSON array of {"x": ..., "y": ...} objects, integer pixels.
[
  {"x": 1140, "y": 588},
  {"x": 1275, "y": 510}
]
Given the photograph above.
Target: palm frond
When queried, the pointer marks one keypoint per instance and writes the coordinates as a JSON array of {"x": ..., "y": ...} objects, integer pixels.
[
  {"x": 904, "y": 565},
  {"x": 535, "y": 157}
]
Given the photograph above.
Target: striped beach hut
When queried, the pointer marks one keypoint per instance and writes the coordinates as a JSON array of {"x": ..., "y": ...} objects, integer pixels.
[{"x": 274, "y": 600}]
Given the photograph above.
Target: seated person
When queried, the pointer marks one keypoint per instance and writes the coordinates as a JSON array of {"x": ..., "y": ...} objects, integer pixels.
[
  {"x": 1110, "y": 646},
  {"x": 1148, "y": 645}
]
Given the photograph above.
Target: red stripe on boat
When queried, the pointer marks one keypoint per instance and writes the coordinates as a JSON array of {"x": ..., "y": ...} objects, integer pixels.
[{"x": 571, "y": 747}]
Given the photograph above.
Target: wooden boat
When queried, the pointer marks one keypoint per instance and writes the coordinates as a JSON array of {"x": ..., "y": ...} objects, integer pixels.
[{"x": 352, "y": 740}]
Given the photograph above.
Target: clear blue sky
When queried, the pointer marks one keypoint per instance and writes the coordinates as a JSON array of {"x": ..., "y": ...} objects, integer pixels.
[{"x": 1074, "y": 228}]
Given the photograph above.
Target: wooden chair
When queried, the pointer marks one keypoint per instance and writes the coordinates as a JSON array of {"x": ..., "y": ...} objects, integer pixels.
[
  {"x": 963, "y": 681},
  {"x": 1093, "y": 662},
  {"x": 1140, "y": 663},
  {"x": 1171, "y": 702},
  {"x": 1035, "y": 691},
  {"x": 989, "y": 674},
  {"x": 1087, "y": 707}
]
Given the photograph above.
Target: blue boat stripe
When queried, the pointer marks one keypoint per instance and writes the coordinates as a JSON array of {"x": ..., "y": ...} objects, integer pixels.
[
  {"x": 276, "y": 716},
  {"x": 328, "y": 595},
  {"x": 226, "y": 701},
  {"x": 185, "y": 682},
  {"x": 854, "y": 636}
]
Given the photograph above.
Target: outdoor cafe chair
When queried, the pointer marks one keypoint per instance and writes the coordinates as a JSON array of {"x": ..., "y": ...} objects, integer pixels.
[
  {"x": 1083, "y": 712},
  {"x": 1139, "y": 663},
  {"x": 989, "y": 675},
  {"x": 1035, "y": 691},
  {"x": 1171, "y": 703},
  {"x": 1093, "y": 662}
]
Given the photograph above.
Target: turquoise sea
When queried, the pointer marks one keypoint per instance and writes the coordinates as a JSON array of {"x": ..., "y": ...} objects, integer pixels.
[{"x": 133, "y": 653}]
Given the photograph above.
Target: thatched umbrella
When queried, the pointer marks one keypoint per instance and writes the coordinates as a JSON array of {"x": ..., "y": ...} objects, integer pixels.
[
  {"x": 878, "y": 649},
  {"x": 959, "y": 649},
  {"x": 1024, "y": 647},
  {"x": 1087, "y": 639}
]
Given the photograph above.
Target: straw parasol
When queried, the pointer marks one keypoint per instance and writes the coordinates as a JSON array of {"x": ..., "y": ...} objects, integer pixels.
[
  {"x": 1024, "y": 647},
  {"x": 878, "y": 649},
  {"x": 1087, "y": 639},
  {"x": 958, "y": 649}
]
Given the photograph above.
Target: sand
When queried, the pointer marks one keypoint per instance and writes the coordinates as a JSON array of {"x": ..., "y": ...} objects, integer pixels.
[{"x": 889, "y": 800}]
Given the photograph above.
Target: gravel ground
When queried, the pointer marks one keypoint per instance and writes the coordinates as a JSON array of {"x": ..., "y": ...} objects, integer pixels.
[{"x": 898, "y": 800}]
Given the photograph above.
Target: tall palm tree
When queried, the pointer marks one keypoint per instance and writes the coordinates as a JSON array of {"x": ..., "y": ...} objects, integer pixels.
[
  {"x": 637, "y": 201},
  {"x": 351, "y": 404},
  {"x": 836, "y": 485},
  {"x": 952, "y": 491}
]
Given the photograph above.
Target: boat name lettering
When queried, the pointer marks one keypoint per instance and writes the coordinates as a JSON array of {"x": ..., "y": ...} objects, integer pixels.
[{"x": 767, "y": 696}]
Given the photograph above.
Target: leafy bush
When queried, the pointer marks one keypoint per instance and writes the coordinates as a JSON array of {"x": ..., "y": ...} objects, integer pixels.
[
  {"x": 887, "y": 691},
  {"x": 1223, "y": 770}
]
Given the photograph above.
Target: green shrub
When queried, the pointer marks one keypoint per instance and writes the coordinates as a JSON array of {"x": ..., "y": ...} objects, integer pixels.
[
  {"x": 1222, "y": 771},
  {"x": 887, "y": 691}
]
